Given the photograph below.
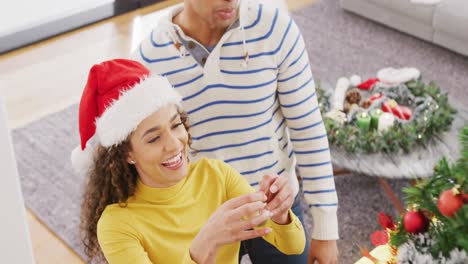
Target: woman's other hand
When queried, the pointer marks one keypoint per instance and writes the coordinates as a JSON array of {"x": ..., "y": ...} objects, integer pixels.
[{"x": 230, "y": 224}]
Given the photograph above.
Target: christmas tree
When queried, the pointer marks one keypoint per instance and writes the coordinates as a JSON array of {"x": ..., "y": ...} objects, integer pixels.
[{"x": 435, "y": 227}]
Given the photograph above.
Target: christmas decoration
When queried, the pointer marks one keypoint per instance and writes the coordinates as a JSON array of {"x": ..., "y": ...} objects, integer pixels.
[
  {"x": 449, "y": 202},
  {"x": 420, "y": 112},
  {"x": 363, "y": 121},
  {"x": 399, "y": 111},
  {"x": 415, "y": 222},
  {"x": 376, "y": 96},
  {"x": 355, "y": 80},
  {"x": 339, "y": 95},
  {"x": 365, "y": 104},
  {"x": 379, "y": 237},
  {"x": 386, "y": 221},
  {"x": 353, "y": 96},
  {"x": 386, "y": 121},
  {"x": 369, "y": 84},
  {"x": 427, "y": 234},
  {"x": 352, "y": 99},
  {"x": 375, "y": 116},
  {"x": 391, "y": 76},
  {"x": 337, "y": 116}
]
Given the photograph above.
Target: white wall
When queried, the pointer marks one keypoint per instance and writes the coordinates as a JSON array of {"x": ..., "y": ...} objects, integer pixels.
[
  {"x": 15, "y": 243},
  {"x": 18, "y": 15}
]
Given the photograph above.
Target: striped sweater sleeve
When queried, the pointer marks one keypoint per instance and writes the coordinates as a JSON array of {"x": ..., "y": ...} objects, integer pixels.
[{"x": 298, "y": 102}]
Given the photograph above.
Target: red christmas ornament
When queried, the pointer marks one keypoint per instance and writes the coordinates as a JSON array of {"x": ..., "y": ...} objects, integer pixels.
[
  {"x": 415, "y": 222},
  {"x": 449, "y": 202},
  {"x": 465, "y": 197},
  {"x": 379, "y": 237}
]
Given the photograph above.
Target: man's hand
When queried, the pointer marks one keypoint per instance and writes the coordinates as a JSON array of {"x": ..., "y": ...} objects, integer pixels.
[
  {"x": 324, "y": 251},
  {"x": 280, "y": 197}
]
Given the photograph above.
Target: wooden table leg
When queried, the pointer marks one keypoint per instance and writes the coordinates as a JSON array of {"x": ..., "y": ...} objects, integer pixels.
[
  {"x": 338, "y": 172},
  {"x": 391, "y": 195}
]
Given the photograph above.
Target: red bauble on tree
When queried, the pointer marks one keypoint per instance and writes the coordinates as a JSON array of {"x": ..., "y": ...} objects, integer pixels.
[
  {"x": 450, "y": 201},
  {"x": 379, "y": 237},
  {"x": 415, "y": 222}
]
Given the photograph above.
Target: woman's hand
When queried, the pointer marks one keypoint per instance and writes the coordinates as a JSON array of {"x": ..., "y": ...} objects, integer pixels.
[
  {"x": 229, "y": 224},
  {"x": 280, "y": 197}
]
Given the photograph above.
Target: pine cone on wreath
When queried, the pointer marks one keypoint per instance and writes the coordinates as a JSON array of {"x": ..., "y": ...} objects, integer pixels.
[{"x": 353, "y": 96}]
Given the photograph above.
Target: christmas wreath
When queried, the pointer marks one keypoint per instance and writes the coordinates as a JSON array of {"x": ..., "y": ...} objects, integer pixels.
[
  {"x": 394, "y": 112},
  {"x": 435, "y": 227}
]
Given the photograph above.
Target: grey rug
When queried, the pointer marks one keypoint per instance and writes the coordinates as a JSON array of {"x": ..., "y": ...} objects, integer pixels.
[{"x": 340, "y": 44}]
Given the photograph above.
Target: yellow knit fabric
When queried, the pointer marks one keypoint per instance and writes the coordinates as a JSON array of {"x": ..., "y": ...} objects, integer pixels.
[{"x": 159, "y": 224}]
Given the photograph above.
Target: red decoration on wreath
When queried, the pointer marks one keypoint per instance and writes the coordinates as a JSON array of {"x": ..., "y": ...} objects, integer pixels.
[
  {"x": 402, "y": 112},
  {"x": 375, "y": 96},
  {"x": 407, "y": 113},
  {"x": 367, "y": 85}
]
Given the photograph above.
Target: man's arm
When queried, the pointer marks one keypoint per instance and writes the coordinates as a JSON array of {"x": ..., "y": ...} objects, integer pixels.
[{"x": 298, "y": 100}]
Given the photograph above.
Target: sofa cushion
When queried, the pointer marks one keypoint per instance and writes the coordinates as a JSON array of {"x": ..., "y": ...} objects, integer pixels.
[
  {"x": 451, "y": 16},
  {"x": 422, "y": 13}
]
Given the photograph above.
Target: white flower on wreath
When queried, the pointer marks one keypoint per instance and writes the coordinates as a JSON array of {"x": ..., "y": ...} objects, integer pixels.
[{"x": 336, "y": 115}]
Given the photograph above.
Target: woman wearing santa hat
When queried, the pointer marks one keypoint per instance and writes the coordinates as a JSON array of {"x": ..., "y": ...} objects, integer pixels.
[{"x": 144, "y": 202}]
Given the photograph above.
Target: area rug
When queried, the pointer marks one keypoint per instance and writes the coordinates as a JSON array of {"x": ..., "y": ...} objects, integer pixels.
[{"x": 339, "y": 44}]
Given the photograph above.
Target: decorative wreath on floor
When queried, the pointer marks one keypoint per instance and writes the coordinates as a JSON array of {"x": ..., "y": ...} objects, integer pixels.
[{"x": 394, "y": 112}]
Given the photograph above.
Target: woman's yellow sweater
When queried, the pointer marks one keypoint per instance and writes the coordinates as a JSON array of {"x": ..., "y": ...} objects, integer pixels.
[{"x": 159, "y": 224}]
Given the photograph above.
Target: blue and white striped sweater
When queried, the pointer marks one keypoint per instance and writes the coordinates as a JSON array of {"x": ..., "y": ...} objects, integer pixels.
[{"x": 241, "y": 113}]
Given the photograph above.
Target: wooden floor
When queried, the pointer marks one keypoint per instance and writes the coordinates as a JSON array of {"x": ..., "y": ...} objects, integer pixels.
[{"x": 49, "y": 76}]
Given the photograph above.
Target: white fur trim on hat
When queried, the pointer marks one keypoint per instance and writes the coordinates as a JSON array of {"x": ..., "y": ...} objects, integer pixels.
[
  {"x": 133, "y": 106},
  {"x": 82, "y": 160}
]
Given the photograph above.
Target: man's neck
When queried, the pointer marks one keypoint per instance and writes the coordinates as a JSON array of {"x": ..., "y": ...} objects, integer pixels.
[{"x": 208, "y": 35}]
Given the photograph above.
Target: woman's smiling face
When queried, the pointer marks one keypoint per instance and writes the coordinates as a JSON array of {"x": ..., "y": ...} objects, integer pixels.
[{"x": 159, "y": 148}]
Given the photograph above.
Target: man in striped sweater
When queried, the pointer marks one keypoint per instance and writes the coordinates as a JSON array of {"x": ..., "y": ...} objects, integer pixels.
[{"x": 244, "y": 74}]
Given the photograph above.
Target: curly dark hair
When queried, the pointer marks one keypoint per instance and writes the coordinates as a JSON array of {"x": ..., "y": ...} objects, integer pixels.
[{"x": 111, "y": 180}]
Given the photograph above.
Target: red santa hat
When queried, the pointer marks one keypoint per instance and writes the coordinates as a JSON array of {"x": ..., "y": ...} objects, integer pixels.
[{"x": 118, "y": 95}]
